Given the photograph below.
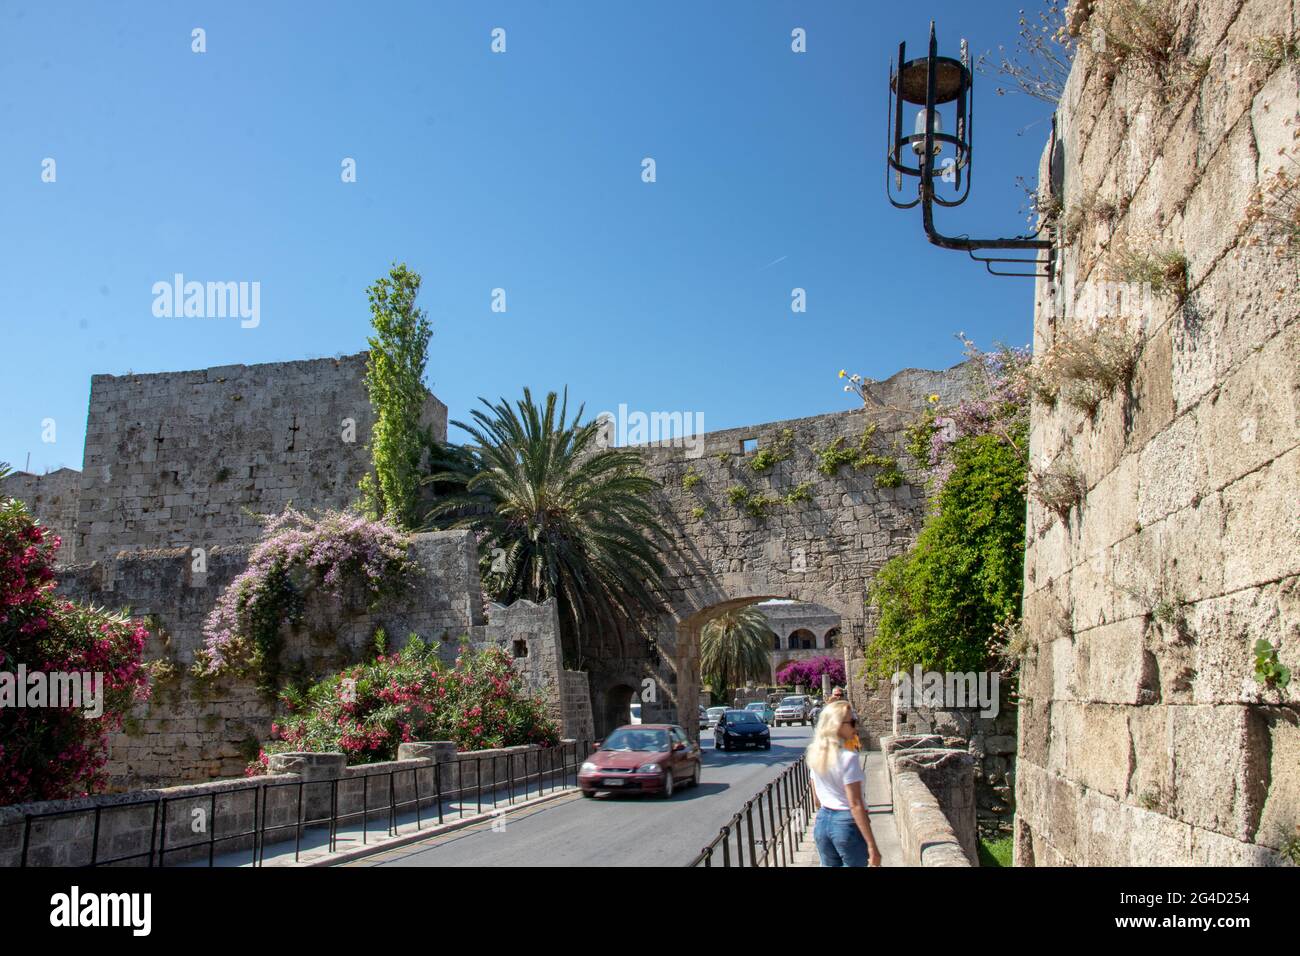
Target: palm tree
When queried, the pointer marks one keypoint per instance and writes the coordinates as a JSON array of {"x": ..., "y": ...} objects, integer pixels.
[
  {"x": 557, "y": 515},
  {"x": 733, "y": 648}
]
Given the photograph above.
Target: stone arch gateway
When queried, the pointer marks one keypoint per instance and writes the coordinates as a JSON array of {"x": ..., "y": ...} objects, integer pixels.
[{"x": 753, "y": 518}]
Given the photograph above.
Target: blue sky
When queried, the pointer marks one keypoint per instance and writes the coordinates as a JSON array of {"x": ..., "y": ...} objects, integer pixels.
[{"x": 519, "y": 171}]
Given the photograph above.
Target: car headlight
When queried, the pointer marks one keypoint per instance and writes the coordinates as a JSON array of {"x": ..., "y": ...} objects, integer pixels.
[
  {"x": 648, "y": 768},
  {"x": 589, "y": 767}
]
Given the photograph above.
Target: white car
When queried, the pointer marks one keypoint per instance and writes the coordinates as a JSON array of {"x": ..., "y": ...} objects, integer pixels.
[
  {"x": 714, "y": 713},
  {"x": 792, "y": 710}
]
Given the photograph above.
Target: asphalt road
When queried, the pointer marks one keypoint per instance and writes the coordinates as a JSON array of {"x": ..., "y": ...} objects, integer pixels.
[{"x": 614, "y": 830}]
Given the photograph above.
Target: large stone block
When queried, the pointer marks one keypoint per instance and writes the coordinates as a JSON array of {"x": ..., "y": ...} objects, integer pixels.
[
  {"x": 1261, "y": 524},
  {"x": 1091, "y": 745},
  {"x": 1220, "y": 774}
]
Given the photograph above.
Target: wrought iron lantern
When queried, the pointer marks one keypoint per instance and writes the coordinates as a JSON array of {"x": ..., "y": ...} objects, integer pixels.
[{"x": 939, "y": 159}]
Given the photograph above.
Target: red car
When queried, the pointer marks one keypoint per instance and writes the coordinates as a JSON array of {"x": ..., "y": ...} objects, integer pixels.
[{"x": 648, "y": 758}]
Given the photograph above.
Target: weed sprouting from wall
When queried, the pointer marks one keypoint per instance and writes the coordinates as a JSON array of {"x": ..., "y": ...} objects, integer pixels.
[
  {"x": 1272, "y": 217},
  {"x": 1275, "y": 50},
  {"x": 1039, "y": 64},
  {"x": 1140, "y": 38},
  {"x": 1083, "y": 367},
  {"x": 1058, "y": 489},
  {"x": 1163, "y": 270}
]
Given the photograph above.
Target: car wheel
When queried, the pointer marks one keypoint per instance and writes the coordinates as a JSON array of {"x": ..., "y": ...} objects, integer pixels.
[
  {"x": 668, "y": 785},
  {"x": 768, "y": 745},
  {"x": 695, "y": 777},
  {"x": 717, "y": 744}
]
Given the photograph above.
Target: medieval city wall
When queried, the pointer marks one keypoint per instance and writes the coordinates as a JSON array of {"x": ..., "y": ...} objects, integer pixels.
[
  {"x": 1145, "y": 736},
  {"x": 191, "y": 459}
]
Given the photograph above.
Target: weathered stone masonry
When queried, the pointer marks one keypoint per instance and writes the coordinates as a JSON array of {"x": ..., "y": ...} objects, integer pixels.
[
  {"x": 189, "y": 459},
  {"x": 1144, "y": 737},
  {"x": 824, "y": 550}
]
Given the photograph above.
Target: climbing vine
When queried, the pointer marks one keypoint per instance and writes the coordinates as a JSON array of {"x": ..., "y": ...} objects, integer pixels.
[
  {"x": 837, "y": 454},
  {"x": 243, "y": 634}
]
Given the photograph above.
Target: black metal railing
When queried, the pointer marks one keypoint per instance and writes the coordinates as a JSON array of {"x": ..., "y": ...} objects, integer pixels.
[
  {"x": 452, "y": 793},
  {"x": 769, "y": 828}
]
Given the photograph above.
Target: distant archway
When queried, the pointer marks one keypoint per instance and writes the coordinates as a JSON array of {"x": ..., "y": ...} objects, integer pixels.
[{"x": 802, "y": 639}]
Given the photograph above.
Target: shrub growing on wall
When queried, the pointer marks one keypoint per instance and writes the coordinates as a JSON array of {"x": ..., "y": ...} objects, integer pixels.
[
  {"x": 339, "y": 553},
  {"x": 367, "y": 710},
  {"x": 940, "y": 602},
  {"x": 48, "y": 752},
  {"x": 947, "y": 600}
]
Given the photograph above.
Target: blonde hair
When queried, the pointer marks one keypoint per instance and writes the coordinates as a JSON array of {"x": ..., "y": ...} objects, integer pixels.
[{"x": 824, "y": 749}]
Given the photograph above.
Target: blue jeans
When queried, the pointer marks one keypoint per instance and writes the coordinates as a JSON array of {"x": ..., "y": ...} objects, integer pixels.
[{"x": 839, "y": 841}]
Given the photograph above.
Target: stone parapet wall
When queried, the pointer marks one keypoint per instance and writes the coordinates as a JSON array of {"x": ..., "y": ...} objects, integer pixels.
[
  {"x": 933, "y": 790},
  {"x": 991, "y": 742},
  {"x": 158, "y": 827},
  {"x": 1144, "y": 736}
]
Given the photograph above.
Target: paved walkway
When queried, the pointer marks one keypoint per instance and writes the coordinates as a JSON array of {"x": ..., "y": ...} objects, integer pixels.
[{"x": 881, "y": 807}]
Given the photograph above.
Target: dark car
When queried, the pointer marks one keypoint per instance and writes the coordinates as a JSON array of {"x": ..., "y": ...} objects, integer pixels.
[
  {"x": 741, "y": 728},
  {"x": 645, "y": 758}
]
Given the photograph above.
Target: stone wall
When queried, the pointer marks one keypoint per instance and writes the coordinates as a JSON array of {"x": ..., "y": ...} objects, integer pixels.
[
  {"x": 1144, "y": 735},
  {"x": 53, "y": 498},
  {"x": 932, "y": 785},
  {"x": 190, "y": 459},
  {"x": 157, "y": 827},
  {"x": 823, "y": 550},
  {"x": 991, "y": 742},
  {"x": 194, "y": 730}
]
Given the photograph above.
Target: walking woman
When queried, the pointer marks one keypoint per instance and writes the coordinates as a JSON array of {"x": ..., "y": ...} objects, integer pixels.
[{"x": 842, "y": 831}]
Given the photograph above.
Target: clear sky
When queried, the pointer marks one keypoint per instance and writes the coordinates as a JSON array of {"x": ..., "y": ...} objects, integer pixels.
[{"x": 519, "y": 171}]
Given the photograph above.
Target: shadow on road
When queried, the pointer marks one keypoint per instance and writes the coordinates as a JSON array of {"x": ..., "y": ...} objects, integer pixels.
[{"x": 681, "y": 795}]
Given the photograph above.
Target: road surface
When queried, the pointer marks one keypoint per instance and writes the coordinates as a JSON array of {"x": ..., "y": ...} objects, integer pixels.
[{"x": 618, "y": 830}]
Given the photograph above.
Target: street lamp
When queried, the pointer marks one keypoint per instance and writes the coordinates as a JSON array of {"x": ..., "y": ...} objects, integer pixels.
[{"x": 930, "y": 82}]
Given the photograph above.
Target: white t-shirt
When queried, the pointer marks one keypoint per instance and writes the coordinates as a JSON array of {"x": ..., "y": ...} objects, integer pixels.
[{"x": 833, "y": 789}]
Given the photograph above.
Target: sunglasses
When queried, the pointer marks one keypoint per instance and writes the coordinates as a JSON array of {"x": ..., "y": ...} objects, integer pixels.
[{"x": 852, "y": 722}]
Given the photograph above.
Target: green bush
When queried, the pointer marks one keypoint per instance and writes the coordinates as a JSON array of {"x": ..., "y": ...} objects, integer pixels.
[{"x": 940, "y": 603}]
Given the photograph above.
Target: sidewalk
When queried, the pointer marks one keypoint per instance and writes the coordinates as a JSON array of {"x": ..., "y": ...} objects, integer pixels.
[{"x": 881, "y": 808}]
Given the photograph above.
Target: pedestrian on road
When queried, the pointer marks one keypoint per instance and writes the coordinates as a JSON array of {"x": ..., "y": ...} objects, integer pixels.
[{"x": 842, "y": 831}]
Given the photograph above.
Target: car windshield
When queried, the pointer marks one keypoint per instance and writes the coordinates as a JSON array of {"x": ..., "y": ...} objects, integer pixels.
[
  {"x": 756, "y": 707},
  {"x": 792, "y": 702},
  {"x": 715, "y": 711},
  {"x": 741, "y": 717},
  {"x": 648, "y": 741}
]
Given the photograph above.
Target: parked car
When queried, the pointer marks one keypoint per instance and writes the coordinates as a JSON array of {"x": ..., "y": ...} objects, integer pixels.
[
  {"x": 714, "y": 713},
  {"x": 792, "y": 710},
  {"x": 765, "y": 713},
  {"x": 741, "y": 728},
  {"x": 645, "y": 758},
  {"x": 704, "y": 719}
]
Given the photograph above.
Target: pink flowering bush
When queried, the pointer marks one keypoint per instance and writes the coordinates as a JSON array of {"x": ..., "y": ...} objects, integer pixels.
[
  {"x": 808, "y": 672},
  {"x": 47, "y": 752},
  {"x": 337, "y": 553},
  {"x": 998, "y": 404},
  {"x": 367, "y": 710}
]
